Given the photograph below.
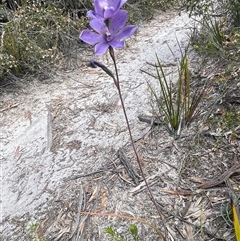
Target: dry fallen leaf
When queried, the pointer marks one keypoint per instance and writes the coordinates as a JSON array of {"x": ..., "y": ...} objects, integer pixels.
[
  {"x": 236, "y": 222},
  {"x": 17, "y": 151},
  {"x": 93, "y": 194},
  {"x": 104, "y": 197}
]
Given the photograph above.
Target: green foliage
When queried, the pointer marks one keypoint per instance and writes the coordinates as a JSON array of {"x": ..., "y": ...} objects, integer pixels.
[
  {"x": 32, "y": 232},
  {"x": 215, "y": 30},
  {"x": 179, "y": 106},
  {"x": 225, "y": 213},
  {"x": 118, "y": 237},
  {"x": 196, "y": 7},
  {"x": 114, "y": 234},
  {"x": 145, "y": 9},
  {"x": 37, "y": 35},
  {"x": 220, "y": 22},
  {"x": 211, "y": 38},
  {"x": 234, "y": 12},
  {"x": 134, "y": 231},
  {"x": 226, "y": 120},
  {"x": 76, "y": 9},
  {"x": 67, "y": 5},
  {"x": 168, "y": 105}
]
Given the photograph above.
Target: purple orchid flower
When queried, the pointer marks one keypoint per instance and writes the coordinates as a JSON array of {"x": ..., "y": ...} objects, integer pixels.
[
  {"x": 105, "y": 9},
  {"x": 112, "y": 35}
]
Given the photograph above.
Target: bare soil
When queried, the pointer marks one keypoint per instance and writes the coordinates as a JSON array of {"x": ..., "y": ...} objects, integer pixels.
[{"x": 68, "y": 170}]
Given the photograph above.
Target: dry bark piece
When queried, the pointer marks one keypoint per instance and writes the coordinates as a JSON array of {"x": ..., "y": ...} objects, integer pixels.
[
  {"x": 124, "y": 160},
  {"x": 149, "y": 119},
  {"x": 219, "y": 180}
]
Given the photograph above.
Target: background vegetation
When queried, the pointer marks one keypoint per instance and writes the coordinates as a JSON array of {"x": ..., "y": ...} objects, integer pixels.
[
  {"x": 36, "y": 34},
  {"x": 218, "y": 41}
]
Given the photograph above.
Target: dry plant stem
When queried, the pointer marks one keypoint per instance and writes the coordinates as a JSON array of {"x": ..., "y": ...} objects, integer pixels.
[{"x": 117, "y": 83}]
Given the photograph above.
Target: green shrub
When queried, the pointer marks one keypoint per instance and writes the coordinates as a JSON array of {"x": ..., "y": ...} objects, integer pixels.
[
  {"x": 145, "y": 9},
  {"x": 234, "y": 12},
  {"x": 36, "y": 35},
  {"x": 226, "y": 120},
  {"x": 196, "y": 7},
  {"x": 210, "y": 39},
  {"x": 220, "y": 22}
]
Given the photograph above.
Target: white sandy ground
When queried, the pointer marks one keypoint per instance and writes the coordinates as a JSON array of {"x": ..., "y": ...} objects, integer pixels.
[{"x": 92, "y": 122}]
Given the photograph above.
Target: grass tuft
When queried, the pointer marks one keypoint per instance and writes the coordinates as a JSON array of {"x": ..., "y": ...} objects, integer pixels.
[{"x": 178, "y": 104}]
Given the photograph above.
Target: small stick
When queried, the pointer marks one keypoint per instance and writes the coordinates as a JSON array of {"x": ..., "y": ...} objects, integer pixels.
[{"x": 11, "y": 105}]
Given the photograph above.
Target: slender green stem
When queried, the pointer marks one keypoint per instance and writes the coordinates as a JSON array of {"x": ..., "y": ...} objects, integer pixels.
[{"x": 117, "y": 83}]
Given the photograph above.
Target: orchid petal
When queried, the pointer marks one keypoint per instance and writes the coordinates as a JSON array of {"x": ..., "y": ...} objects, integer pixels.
[
  {"x": 109, "y": 12},
  {"x": 117, "y": 4},
  {"x": 125, "y": 33},
  {"x": 118, "y": 21},
  {"x": 99, "y": 6},
  {"x": 105, "y": 9},
  {"x": 92, "y": 14},
  {"x": 101, "y": 48},
  {"x": 114, "y": 3},
  {"x": 99, "y": 26},
  {"x": 108, "y": 22},
  {"x": 90, "y": 37},
  {"x": 117, "y": 44},
  {"x": 122, "y": 2}
]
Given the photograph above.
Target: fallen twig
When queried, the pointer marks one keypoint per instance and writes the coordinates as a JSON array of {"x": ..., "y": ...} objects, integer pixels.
[
  {"x": 219, "y": 180},
  {"x": 80, "y": 204},
  {"x": 10, "y": 106},
  {"x": 124, "y": 160}
]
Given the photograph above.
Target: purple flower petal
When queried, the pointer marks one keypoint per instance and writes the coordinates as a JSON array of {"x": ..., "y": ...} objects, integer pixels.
[
  {"x": 99, "y": 6},
  {"x": 109, "y": 12},
  {"x": 122, "y": 2},
  {"x": 92, "y": 14},
  {"x": 99, "y": 26},
  {"x": 101, "y": 48},
  {"x": 117, "y": 4},
  {"x": 90, "y": 37},
  {"x": 105, "y": 9},
  {"x": 125, "y": 32},
  {"x": 108, "y": 22},
  {"x": 117, "y": 44},
  {"x": 118, "y": 21}
]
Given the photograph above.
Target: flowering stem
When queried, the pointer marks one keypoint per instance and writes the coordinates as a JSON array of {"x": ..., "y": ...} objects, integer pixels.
[{"x": 117, "y": 83}]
